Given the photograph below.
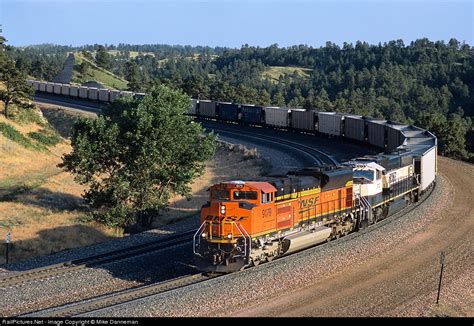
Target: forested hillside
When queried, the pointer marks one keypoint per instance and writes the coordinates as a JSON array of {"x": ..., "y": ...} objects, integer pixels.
[{"x": 430, "y": 84}]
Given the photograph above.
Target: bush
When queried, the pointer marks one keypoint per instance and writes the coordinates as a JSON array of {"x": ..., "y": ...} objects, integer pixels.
[{"x": 45, "y": 137}]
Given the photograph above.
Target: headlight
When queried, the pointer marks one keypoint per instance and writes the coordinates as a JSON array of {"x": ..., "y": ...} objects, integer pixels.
[
  {"x": 222, "y": 209},
  {"x": 229, "y": 236},
  {"x": 204, "y": 234}
]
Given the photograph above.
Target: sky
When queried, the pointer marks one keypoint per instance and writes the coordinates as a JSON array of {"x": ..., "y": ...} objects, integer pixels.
[{"x": 232, "y": 23}]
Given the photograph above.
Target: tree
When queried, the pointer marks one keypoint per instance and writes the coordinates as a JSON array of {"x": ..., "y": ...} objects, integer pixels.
[
  {"x": 15, "y": 89},
  {"x": 132, "y": 75},
  {"x": 103, "y": 58},
  {"x": 136, "y": 155}
]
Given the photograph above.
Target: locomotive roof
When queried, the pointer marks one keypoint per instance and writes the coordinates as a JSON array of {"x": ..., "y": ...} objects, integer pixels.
[{"x": 262, "y": 186}]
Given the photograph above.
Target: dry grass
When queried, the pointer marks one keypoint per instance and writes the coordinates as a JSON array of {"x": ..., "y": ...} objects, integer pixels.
[{"x": 39, "y": 203}]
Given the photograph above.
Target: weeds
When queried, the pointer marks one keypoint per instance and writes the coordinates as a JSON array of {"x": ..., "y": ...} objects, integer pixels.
[
  {"x": 47, "y": 137},
  {"x": 11, "y": 133}
]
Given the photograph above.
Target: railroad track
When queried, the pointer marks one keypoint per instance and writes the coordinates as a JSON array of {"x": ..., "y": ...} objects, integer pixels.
[
  {"x": 50, "y": 271},
  {"x": 318, "y": 157},
  {"x": 121, "y": 297}
]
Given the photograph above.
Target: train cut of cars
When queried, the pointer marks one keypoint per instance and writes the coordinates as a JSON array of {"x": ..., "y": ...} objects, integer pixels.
[{"x": 245, "y": 223}]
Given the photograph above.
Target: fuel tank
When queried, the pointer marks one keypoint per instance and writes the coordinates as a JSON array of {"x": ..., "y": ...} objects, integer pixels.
[{"x": 305, "y": 239}]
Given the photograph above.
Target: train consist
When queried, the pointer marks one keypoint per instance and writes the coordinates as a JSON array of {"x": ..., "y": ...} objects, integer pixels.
[
  {"x": 245, "y": 223},
  {"x": 82, "y": 92}
]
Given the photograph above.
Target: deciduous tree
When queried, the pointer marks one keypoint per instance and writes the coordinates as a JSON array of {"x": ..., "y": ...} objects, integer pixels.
[{"x": 136, "y": 155}]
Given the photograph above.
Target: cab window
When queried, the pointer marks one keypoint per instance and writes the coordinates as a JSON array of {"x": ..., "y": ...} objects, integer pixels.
[
  {"x": 267, "y": 198},
  {"x": 239, "y": 195}
]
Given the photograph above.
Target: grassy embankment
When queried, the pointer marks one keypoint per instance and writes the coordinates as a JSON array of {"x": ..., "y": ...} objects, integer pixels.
[
  {"x": 39, "y": 203},
  {"x": 95, "y": 73}
]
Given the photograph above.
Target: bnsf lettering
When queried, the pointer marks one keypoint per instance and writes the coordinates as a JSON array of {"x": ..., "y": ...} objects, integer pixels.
[{"x": 306, "y": 203}]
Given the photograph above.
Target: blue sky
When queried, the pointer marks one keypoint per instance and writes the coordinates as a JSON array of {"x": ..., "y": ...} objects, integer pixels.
[{"x": 233, "y": 23}]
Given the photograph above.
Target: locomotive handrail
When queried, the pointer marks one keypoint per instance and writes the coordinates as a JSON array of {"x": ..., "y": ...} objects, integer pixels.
[
  {"x": 246, "y": 236},
  {"x": 198, "y": 234}
]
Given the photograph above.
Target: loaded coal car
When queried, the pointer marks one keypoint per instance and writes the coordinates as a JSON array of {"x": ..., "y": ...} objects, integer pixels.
[
  {"x": 207, "y": 109},
  {"x": 354, "y": 128},
  {"x": 249, "y": 222},
  {"x": 276, "y": 116},
  {"x": 228, "y": 112},
  {"x": 303, "y": 120},
  {"x": 331, "y": 123},
  {"x": 252, "y": 115},
  {"x": 376, "y": 132}
]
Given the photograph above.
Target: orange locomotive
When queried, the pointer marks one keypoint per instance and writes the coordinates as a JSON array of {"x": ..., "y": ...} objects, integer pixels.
[{"x": 245, "y": 223}]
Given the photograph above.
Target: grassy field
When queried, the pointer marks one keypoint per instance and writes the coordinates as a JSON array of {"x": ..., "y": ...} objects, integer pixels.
[
  {"x": 98, "y": 74},
  {"x": 274, "y": 72}
]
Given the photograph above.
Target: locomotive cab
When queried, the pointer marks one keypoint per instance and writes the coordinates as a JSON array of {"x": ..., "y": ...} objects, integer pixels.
[{"x": 234, "y": 209}]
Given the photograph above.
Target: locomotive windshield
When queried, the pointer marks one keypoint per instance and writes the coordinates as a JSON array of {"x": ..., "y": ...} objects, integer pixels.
[
  {"x": 238, "y": 195},
  {"x": 220, "y": 194},
  {"x": 364, "y": 174}
]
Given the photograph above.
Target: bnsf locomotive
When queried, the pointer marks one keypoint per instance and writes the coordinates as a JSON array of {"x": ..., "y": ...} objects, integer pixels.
[{"x": 246, "y": 223}]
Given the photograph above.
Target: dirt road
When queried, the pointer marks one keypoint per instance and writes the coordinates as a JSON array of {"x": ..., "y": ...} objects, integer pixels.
[{"x": 403, "y": 280}]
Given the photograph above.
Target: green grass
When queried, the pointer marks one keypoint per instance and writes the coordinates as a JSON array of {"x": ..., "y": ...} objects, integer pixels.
[
  {"x": 11, "y": 133},
  {"x": 98, "y": 74},
  {"x": 274, "y": 72},
  {"x": 47, "y": 137},
  {"x": 27, "y": 116}
]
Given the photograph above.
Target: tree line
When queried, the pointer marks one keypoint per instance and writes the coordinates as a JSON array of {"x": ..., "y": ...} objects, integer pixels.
[{"x": 430, "y": 84}]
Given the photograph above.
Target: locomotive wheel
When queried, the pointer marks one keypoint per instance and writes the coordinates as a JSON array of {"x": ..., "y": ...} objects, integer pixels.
[
  {"x": 270, "y": 258},
  {"x": 256, "y": 262}
]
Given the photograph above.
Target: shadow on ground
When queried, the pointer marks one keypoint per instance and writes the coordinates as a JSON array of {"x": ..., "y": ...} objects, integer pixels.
[{"x": 54, "y": 201}]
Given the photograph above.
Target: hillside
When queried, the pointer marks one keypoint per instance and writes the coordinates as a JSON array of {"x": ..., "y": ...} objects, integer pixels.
[
  {"x": 39, "y": 203},
  {"x": 95, "y": 73}
]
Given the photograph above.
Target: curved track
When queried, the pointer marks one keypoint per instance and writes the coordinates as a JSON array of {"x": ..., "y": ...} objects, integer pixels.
[{"x": 317, "y": 156}]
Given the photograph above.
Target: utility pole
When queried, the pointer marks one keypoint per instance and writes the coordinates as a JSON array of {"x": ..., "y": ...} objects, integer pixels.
[
  {"x": 441, "y": 261},
  {"x": 7, "y": 246}
]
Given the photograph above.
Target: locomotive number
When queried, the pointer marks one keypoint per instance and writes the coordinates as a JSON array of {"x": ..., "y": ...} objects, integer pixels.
[
  {"x": 267, "y": 212},
  {"x": 305, "y": 203}
]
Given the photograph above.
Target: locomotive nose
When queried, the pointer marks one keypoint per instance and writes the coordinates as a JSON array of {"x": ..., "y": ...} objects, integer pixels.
[{"x": 224, "y": 209}]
